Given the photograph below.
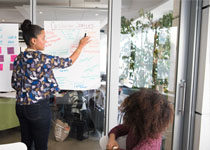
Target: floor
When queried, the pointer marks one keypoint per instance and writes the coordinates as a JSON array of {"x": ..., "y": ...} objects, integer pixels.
[{"x": 13, "y": 135}]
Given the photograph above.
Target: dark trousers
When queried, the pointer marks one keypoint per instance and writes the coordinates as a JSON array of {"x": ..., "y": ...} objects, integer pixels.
[{"x": 35, "y": 123}]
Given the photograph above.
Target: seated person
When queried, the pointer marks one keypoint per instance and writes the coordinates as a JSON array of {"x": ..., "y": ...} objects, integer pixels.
[{"x": 147, "y": 113}]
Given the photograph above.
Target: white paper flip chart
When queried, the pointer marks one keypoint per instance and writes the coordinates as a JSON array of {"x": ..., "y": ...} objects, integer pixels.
[{"x": 62, "y": 39}]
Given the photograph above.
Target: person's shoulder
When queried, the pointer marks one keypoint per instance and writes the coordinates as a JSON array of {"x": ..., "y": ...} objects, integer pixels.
[
  {"x": 40, "y": 54},
  {"x": 46, "y": 57}
]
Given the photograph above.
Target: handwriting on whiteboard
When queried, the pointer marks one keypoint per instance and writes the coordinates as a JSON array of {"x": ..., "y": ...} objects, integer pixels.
[{"x": 62, "y": 39}]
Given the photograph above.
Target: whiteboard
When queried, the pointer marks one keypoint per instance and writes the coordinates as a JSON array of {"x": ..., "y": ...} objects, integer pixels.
[
  {"x": 62, "y": 39},
  {"x": 9, "y": 49}
]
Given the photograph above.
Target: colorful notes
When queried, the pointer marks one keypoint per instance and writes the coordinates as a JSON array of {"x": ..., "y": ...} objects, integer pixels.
[
  {"x": 11, "y": 67},
  {"x": 13, "y": 58},
  {"x": 1, "y": 58},
  {"x": 10, "y": 50},
  {"x": 1, "y": 67}
]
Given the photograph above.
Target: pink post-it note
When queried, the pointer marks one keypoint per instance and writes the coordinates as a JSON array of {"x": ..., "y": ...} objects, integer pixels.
[
  {"x": 10, "y": 50},
  {"x": 13, "y": 58},
  {"x": 1, "y": 67},
  {"x": 11, "y": 66},
  {"x": 1, "y": 58},
  {"x": 0, "y": 49}
]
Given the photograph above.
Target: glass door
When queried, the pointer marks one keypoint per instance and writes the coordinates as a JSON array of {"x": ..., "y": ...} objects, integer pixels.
[
  {"x": 75, "y": 19},
  {"x": 149, "y": 52}
]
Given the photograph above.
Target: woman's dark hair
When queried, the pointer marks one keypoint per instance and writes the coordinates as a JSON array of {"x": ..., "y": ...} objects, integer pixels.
[
  {"x": 30, "y": 31},
  {"x": 147, "y": 113}
]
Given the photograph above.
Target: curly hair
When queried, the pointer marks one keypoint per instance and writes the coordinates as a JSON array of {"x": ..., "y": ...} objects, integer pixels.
[{"x": 147, "y": 113}]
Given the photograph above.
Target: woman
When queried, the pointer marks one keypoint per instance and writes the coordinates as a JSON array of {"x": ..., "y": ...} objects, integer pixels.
[
  {"x": 34, "y": 83},
  {"x": 147, "y": 114}
]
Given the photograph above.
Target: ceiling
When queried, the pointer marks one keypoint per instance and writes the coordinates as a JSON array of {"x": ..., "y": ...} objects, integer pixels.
[{"x": 15, "y": 11}]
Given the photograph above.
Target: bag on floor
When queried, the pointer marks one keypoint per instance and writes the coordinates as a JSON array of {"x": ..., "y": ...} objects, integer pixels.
[{"x": 61, "y": 130}]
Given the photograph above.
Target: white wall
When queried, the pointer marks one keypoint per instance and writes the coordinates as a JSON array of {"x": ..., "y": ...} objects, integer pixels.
[
  {"x": 162, "y": 9},
  {"x": 203, "y": 96},
  {"x": 202, "y": 119}
]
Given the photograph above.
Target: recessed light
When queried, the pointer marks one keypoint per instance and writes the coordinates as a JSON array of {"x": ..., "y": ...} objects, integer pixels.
[
  {"x": 96, "y": 14},
  {"x": 40, "y": 12}
]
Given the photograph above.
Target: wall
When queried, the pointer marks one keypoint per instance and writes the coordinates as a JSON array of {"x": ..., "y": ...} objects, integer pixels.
[{"x": 202, "y": 117}]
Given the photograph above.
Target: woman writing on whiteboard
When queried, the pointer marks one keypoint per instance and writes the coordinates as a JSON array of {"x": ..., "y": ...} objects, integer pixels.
[{"x": 34, "y": 83}]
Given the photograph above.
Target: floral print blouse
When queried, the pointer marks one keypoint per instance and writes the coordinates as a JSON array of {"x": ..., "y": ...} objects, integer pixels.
[{"x": 33, "y": 78}]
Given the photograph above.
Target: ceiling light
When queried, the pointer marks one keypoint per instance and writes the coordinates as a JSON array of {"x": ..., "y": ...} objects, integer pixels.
[
  {"x": 40, "y": 12},
  {"x": 3, "y": 20},
  {"x": 97, "y": 14}
]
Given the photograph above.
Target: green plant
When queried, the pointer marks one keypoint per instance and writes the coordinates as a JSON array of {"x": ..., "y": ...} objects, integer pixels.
[{"x": 161, "y": 51}]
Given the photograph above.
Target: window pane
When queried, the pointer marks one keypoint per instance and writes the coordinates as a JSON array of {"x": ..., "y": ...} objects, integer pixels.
[
  {"x": 148, "y": 54},
  {"x": 86, "y": 121}
]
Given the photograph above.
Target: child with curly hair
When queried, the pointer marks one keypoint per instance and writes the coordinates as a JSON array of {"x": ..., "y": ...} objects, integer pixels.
[{"x": 147, "y": 113}]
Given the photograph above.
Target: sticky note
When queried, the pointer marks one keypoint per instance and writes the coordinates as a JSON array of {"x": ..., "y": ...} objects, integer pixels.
[
  {"x": 13, "y": 57},
  {"x": 1, "y": 58},
  {"x": 11, "y": 66},
  {"x": 0, "y": 50},
  {"x": 1, "y": 67},
  {"x": 10, "y": 50}
]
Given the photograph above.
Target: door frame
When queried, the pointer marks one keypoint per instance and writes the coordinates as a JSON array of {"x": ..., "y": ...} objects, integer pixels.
[
  {"x": 113, "y": 50},
  {"x": 187, "y": 74}
]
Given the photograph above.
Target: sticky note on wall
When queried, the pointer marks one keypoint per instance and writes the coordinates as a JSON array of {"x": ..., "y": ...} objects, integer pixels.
[
  {"x": 13, "y": 58},
  {"x": 10, "y": 50},
  {"x": 11, "y": 66},
  {"x": 1, "y": 58},
  {"x": 1, "y": 67}
]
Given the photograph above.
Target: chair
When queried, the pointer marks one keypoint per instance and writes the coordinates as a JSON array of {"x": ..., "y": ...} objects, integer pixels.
[{"x": 13, "y": 146}]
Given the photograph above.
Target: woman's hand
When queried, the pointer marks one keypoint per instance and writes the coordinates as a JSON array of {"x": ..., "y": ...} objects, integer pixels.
[
  {"x": 83, "y": 42},
  {"x": 112, "y": 143}
]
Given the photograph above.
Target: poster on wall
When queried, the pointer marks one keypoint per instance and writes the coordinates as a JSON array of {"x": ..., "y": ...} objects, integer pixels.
[
  {"x": 62, "y": 39},
  {"x": 9, "y": 49}
]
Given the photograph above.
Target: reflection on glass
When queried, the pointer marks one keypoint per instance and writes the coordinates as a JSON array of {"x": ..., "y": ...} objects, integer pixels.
[
  {"x": 86, "y": 107},
  {"x": 83, "y": 109},
  {"x": 148, "y": 53},
  {"x": 14, "y": 12}
]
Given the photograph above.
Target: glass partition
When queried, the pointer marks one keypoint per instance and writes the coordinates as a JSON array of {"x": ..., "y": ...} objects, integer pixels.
[
  {"x": 81, "y": 108},
  {"x": 148, "y": 57},
  {"x": 12, "y": 13}
]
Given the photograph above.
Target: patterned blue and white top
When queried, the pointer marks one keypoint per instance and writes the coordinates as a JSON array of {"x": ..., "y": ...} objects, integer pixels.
[{"x": 33, "y": 78}]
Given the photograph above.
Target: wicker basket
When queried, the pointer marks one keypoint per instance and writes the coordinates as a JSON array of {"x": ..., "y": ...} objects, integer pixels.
[{"x": 61, "y": 130}]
